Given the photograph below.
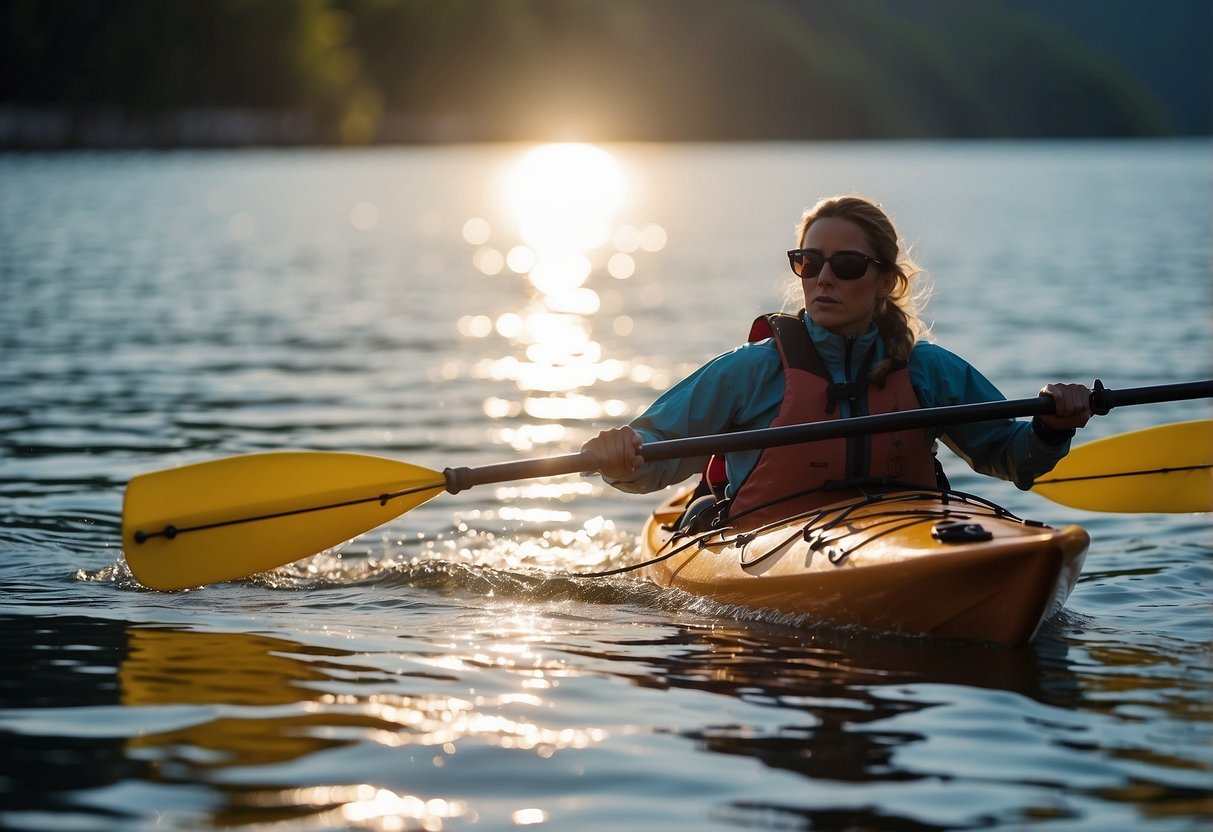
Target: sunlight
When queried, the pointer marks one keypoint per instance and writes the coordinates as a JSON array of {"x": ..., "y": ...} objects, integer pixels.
[
  {"x": 555, "y": 274},
  {"x": 564, "y": 197},
  {"x": 477, "y": 231},
  {"x": 563, "y": 334},
  {"x": 572, "y": 407},
  {"x": 563, "y": 200},
  {"x": 365, "y": 806},
  {"x": 578, "y": 301},
  {"x": 534, "y": 515}
]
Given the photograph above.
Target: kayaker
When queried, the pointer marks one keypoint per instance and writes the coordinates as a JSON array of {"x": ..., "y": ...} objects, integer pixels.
[{"x": 857, "y": 347}]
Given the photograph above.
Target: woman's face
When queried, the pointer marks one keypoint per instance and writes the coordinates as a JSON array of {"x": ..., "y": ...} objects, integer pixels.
[{"x": 845, "y": 307}]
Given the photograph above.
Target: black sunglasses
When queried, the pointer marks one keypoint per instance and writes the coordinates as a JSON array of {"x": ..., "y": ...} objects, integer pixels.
[{"x": 846, "y": 265}]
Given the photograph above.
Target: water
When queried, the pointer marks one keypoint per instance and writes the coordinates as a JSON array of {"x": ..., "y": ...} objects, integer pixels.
[{"x": 442, "y": 672}]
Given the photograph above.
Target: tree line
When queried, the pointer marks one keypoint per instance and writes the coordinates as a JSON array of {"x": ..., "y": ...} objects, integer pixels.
[{"x": 364, "y": 71}]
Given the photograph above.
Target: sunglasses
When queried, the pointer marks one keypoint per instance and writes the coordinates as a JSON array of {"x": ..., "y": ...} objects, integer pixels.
[{"x": 846, "y": 265}]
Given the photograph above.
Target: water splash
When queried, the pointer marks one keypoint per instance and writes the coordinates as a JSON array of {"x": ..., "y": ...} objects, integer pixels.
[{"x": 538, "y": 568}]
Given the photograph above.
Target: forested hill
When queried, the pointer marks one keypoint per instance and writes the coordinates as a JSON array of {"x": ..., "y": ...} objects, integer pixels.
[{"x": 167, "y": 72}]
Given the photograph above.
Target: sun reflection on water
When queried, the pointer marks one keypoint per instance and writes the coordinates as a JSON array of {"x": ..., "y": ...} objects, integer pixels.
[
  {"x": 255, "y": 702},
  {"x": 365, "y": 806},
  {"x": 564, "y": 197},
  {"x": 564, "y": 200}
]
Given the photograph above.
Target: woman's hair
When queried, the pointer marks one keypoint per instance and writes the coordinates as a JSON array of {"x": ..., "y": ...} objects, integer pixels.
[{"x": 896, "y": 315}]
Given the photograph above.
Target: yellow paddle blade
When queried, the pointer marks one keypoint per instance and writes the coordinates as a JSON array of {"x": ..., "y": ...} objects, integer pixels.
[
  {"x": 1162, "y": 469},
  {"x": 234, "y": 517}
]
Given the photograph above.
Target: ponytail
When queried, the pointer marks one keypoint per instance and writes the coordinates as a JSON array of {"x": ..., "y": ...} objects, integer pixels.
[{"x": 898, "y": 322}]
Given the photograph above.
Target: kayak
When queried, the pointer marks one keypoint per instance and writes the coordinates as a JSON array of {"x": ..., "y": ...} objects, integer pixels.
[{"x": 919, "y": 561}]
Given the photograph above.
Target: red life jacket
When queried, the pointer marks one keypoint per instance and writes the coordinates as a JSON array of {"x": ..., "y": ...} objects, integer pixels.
[{"x": 797, "y": 478}]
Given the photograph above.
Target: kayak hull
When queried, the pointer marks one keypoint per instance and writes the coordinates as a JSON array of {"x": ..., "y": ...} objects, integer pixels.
[{"x": 878, "y": 563}]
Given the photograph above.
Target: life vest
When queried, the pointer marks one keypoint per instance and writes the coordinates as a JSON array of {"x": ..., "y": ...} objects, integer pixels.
[{"x": 797, "y": 478}]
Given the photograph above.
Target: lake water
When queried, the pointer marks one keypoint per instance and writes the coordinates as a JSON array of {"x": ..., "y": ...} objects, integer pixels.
[{"x": 441, "y": 672}]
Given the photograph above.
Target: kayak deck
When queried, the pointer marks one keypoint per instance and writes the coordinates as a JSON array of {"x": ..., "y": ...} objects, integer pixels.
[{"x": 878, "y": 562}]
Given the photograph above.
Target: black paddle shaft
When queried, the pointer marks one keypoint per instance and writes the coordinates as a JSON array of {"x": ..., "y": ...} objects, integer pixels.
[{"x": 1102, "y": 401}]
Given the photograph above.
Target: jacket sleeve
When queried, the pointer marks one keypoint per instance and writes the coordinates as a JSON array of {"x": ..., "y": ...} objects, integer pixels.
[
  {"x": 1008, "y": 449},
  {"x": 739, "y": 390}
]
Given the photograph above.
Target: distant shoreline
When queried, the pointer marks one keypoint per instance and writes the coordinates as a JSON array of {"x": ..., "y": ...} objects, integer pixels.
[
  {"x": 63, "y": 128},
  {"x": 99, "y": 128}
]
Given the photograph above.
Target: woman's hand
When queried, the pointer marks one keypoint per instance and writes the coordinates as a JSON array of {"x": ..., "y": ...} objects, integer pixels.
[
  {"x": 617, "y": 452},
  {"x": 1073, "y": 406}
]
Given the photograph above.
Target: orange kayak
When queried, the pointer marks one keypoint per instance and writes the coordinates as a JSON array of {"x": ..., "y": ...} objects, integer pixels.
[{"x": 942, "y": 563}]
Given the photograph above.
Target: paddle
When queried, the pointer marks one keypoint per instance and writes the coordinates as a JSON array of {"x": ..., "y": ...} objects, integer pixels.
[
  {"x": 231, "y": 518},
  {"x": 1163, "y": 469}
]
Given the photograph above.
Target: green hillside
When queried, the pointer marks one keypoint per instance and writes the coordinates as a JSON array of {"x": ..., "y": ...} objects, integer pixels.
[{"x": 361, "y": 71}]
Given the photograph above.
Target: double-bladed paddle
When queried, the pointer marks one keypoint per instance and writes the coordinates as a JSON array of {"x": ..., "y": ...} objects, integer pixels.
[
  {"x": 1167, "y": 469},
  {"x": 234, "y": 517}
]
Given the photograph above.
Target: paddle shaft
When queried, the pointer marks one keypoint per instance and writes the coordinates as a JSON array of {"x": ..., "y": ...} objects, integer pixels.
[{"x": 1102, "y": 401}]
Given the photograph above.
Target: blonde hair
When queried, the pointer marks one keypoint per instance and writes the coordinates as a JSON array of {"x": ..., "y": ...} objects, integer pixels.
[{"x": 896, "y": 315}]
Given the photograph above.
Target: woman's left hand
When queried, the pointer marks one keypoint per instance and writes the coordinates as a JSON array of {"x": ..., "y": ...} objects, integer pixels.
[{"x": 1073, "y": 406}]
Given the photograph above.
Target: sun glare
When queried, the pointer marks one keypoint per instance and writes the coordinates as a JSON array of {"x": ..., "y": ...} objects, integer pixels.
[
  {"x": 564, "y": 197},
  {"x": 563, "y": 202}
]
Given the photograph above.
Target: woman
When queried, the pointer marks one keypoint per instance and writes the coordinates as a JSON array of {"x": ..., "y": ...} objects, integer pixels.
[{"x": 854, "y": 350}]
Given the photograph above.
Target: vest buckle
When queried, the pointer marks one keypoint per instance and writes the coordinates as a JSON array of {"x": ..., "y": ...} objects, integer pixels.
[{"x": 841, "y": 392}]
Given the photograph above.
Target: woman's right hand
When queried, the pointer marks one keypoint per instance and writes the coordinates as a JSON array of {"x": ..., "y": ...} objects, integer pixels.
[{"x": 616, "y": 451}]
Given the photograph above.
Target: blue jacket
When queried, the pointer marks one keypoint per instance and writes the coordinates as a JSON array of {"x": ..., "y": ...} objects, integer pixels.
[{"x": 742, "y": 390}]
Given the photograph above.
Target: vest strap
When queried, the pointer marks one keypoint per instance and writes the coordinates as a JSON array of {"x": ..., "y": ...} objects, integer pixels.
[
  {"x": 791, "y": 334},
  {"x": 841, "y": 392}
]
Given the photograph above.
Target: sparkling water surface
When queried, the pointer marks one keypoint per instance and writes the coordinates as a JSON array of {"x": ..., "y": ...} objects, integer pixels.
[{"x": 475, "y": 304}]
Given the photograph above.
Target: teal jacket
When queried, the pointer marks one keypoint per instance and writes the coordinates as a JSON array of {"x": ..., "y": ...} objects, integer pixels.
[{"x": 742, "y": 390}]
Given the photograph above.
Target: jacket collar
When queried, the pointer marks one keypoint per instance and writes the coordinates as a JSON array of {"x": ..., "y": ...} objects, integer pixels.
[{"x": 833, "y": 348}]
